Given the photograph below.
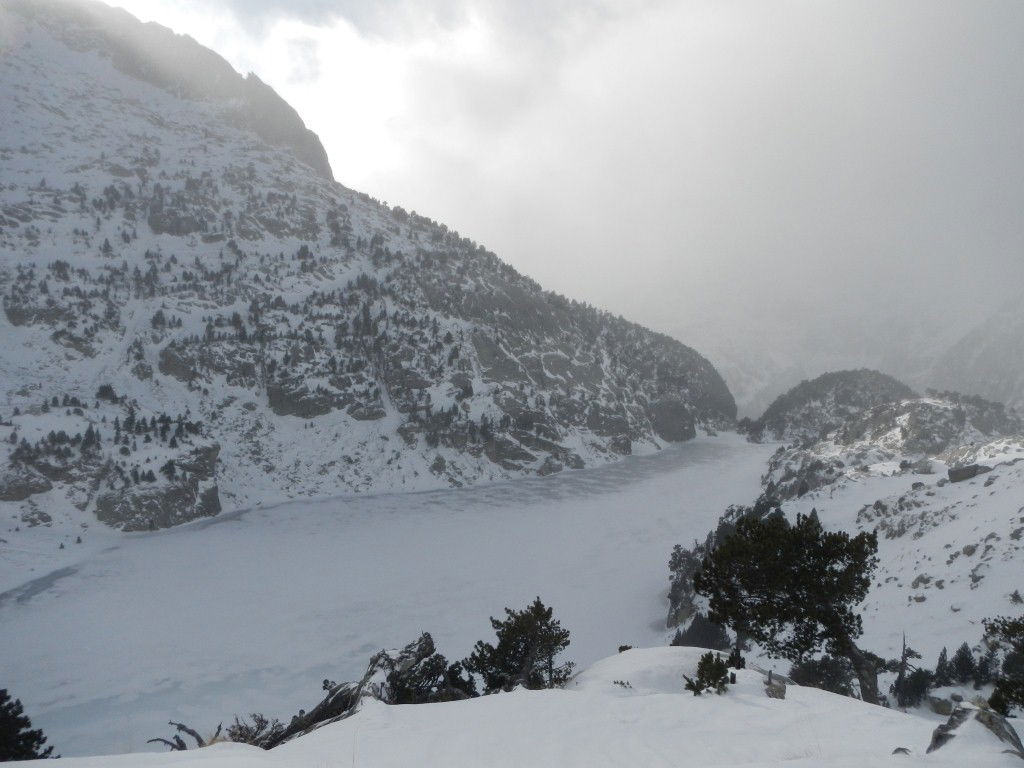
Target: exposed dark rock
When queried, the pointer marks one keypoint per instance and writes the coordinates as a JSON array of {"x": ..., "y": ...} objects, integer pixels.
[
  {"x": 191, "y": 494},
  {"x": 995, "y": 723},
  {"x": 621, "y": 444},
  {"x": 366, "y": 412},
  {"x": 959, "y": 474},
  {"x": 299, "y": 401},
  {"x": 144, "y": 508},
  {"x": 18, "y": 483},
  {"x": 201, "y": 461},
  {"x": 940, "y": 705},
  {"x": 672, "y": 421},
  {"x": 774, "y": 687},
  {"x": 550, "y": 466},
  {"x": 507, "y": 453}
]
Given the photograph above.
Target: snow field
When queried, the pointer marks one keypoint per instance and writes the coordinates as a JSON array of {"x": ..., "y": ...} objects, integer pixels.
[{"x": 597, "y": 722}]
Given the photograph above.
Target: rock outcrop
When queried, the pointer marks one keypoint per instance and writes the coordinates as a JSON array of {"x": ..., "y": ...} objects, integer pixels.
[{"x": 966, "y": 715}]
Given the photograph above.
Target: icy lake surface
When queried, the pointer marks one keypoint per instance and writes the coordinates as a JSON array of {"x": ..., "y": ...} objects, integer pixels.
[{"x": 250, "y": 611}]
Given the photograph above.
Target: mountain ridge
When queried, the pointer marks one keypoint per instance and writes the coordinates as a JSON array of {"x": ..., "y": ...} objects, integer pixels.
[{"x": 219, "y": 291}]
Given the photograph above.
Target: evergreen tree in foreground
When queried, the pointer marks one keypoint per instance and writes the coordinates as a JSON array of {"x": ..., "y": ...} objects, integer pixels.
[
  {"x": 1009, "y": 634},
  {"x": 943, "y": 670},
  {"x": 963, "y": 665},
  {"x": 712, "y": 675},
  {"x": 527, "y": 643},
  {"x": 793, "y": 589},
  {"x": 17, "y": 739}
]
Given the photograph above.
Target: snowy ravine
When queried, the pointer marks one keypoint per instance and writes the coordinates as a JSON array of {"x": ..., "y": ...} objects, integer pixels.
[
  {"x": 625, "y": 710},
  {"x": 251, "y": 611}
]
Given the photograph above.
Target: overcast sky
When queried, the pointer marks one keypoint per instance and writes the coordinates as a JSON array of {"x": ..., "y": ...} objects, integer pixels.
[{"x": 677, "y": 162}]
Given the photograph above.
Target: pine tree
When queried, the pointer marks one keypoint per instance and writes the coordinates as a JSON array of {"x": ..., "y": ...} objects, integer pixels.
[
  {"x": 528, "y": 642},
  {"x": 988, "y": 664},
  {"x": 963, "y": 667},
  {"x": 712, "y": 674},
  {"x": 17, "y": 739},
  {"x": 793, "y": 589},
  {"x": 1008, "y": 633},
  {"x": 943, "y": 670},
  {"x": 829, "y": 673}
]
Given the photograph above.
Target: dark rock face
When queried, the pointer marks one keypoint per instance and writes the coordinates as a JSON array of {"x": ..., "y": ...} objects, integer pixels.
[
  {"x": 507, "y": 453},
  {"x": 190, "y": 495},
  {"x": 959, "y": 474},
  {"x": 146, "y": 509},
  {"x": 300, "y": 401},
  {"x": 672, "y": 421},
  {"x": 18, "y": 483},
  {"x": 995, "y": 723}
]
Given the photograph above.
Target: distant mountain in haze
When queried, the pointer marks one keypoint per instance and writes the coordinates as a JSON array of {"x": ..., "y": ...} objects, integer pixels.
[{"x": 989, "y": 360}]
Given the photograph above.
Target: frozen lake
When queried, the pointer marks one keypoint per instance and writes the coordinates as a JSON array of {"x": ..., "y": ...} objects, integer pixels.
[{"x": 252, "y": 610}]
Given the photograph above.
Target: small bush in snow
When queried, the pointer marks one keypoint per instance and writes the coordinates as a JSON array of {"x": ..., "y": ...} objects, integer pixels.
[{"x": 712, "y": 674}]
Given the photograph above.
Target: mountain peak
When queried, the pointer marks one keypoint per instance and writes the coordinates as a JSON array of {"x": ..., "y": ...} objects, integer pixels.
[{"x": 181, "y": 66}]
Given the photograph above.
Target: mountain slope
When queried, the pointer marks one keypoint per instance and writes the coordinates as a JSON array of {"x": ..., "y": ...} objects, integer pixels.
[
  {"x": 206, "y": 276},
  {"x": 178, "y": 65},
  {"x": 814, "y": 408},
  {"x": 941, "y": 480}
]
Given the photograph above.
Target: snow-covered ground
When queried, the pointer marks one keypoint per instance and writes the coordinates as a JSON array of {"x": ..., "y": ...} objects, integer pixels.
[
  {"x": 251, "y": 611},
  {"x": 949, "y": 553},
  {"x": 644, "y": 719}
]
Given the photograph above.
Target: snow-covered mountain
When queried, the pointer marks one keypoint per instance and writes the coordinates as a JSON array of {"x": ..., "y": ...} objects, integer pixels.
[
  {"x": 181, "y": 274},
  {"x": 939, "y": 478},
  {"x": 814, "y": 408},
  {"x": 198, "y": 319}
]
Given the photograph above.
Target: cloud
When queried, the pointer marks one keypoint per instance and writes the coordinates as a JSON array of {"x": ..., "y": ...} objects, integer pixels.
[
  {"x": 372, "y": 17},
  {"x": 708, "y": 167},
  {"x": 303, "y": 52}
]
